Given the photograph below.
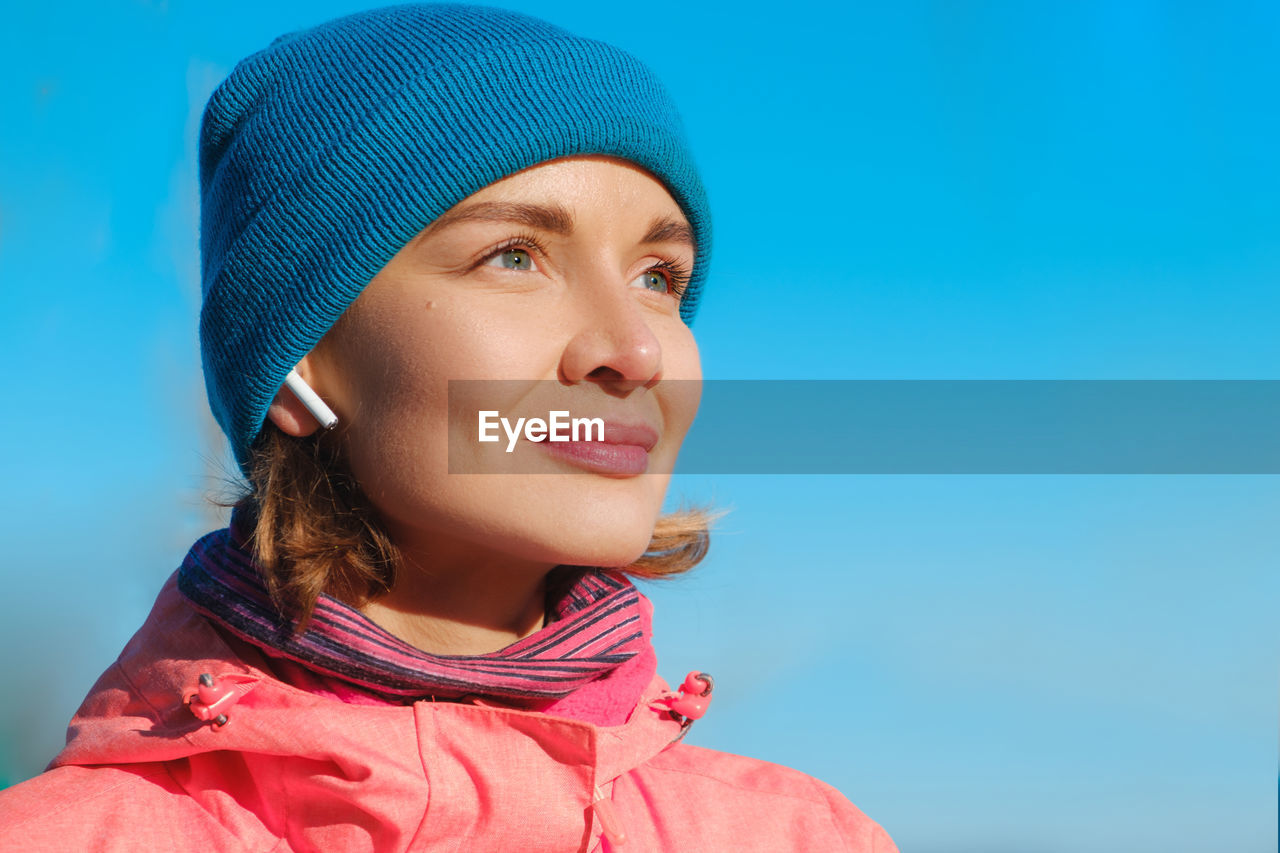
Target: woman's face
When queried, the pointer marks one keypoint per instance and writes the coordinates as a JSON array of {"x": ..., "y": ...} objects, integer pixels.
[{"x": 559, "y": 286}]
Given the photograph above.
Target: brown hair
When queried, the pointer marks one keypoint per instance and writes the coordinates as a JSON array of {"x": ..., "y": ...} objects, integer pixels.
[{"x": 314, "y": 531}]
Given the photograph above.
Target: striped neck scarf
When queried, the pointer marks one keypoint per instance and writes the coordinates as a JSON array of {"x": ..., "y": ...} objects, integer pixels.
[{"x": 593, "y": 628}]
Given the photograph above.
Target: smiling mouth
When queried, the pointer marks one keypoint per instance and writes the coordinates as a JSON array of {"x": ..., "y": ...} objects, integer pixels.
[{"x": 624, "y": 452}]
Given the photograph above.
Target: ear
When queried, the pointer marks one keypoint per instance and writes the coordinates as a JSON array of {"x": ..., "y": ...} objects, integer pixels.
[{"x": 287, "y": 412}]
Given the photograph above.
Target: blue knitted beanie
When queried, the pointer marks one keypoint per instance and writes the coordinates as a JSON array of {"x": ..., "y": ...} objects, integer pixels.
[{"x": 322, "y": 155}]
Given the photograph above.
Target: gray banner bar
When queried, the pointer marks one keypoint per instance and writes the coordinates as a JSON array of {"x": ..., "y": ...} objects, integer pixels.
[
  {"x": 954, "y": 426},
  {"x": 986, "y": 427}
]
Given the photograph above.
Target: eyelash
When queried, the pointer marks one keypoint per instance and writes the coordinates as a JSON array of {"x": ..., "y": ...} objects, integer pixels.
[
  {"x": 677, "y": 274},
  {"x": 522, "y": 241}
]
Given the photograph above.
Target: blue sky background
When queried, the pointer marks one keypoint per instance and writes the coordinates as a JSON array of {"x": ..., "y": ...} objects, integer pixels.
[{"x": 909, "y": 190}]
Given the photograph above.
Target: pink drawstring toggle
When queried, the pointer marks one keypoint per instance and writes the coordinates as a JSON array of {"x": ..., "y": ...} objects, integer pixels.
[
  {"x": 211, "y": 701},
  {"x": 609, "y": 824},
  {"x": 694, "y": 696}
]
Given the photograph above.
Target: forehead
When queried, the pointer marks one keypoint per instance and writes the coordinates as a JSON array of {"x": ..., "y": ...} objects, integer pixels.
[
  {"x": 581, "y": 179},
  {"x": 558, "y": 195}
]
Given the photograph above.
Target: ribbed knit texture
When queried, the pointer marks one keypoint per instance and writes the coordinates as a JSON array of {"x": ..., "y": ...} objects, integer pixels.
[
  {"x": 594, "y": 627},
  {"x": 322, "y": 155}
]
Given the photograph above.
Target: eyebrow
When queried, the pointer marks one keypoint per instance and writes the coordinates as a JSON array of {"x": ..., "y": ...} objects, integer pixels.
[
  {"x": 666, "y": 230},
  {"x": 553, "y": 217},
  {"x": 548, "y": 217}
]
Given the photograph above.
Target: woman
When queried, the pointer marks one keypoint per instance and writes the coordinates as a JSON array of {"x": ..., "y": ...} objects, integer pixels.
[{"x": 392, "y": 648}]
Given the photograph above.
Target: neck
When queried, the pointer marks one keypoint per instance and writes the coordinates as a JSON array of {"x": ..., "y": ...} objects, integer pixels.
[{"x": 444, "y": 604}]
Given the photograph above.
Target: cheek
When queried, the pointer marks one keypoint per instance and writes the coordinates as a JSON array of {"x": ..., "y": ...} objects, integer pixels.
[
  {"x": 681, "y": 389},
  {"x": 394, "y": 368},
  {"x": 396, "y": 372},
  {"x": 680, "y": 357}
]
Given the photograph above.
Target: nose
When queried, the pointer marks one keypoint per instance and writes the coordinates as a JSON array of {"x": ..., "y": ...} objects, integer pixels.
[{"x": 614, "y": 345}]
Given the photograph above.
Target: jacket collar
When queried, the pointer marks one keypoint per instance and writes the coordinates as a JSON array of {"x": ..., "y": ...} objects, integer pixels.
[{"x": 142, "y": 709}]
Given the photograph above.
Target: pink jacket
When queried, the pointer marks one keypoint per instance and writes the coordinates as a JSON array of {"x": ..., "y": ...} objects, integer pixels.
[{"x": 294, "y": 771}]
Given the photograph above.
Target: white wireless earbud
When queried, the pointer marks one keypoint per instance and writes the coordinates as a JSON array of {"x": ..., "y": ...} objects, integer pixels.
[{"x": 309, "y": 398}]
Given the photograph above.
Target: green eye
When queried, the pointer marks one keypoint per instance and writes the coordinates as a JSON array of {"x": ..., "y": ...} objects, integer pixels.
[
  {"x": 516, "y": 259},
  {"x": 653, "y": 280}
]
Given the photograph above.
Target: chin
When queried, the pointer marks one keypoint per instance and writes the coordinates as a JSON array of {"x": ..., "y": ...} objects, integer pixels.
[
  {"x": 610, "y": 556},
  {"x": 553, "y": 520},
  {"x": 605, "y": 533}
]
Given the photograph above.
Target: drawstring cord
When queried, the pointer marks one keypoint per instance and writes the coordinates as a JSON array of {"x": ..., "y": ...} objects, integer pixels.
[
  {"x": 614, "y": 834},
  {"x": 690, "y": 702}
]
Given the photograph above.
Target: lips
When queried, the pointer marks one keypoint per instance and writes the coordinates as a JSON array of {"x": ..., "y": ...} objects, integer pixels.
[
  {"x": 624, "y": 452},
  {"x": 638, "y": 435}
]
